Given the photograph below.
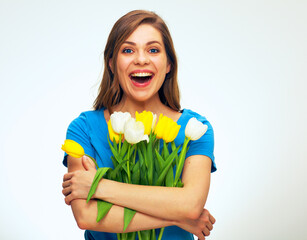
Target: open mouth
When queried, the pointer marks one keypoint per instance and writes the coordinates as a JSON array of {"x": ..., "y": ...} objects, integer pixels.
[{"x": 141, "y": 77}]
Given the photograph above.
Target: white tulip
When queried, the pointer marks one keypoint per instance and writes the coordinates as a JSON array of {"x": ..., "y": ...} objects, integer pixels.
[
  {"x": 118, "y": 121},
  {"x": 134, "y": 131},
  {"x": 195, "y": 129}
]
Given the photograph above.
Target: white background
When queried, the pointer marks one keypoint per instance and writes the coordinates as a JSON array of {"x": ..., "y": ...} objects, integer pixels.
[{"x": 242, "y": 64}]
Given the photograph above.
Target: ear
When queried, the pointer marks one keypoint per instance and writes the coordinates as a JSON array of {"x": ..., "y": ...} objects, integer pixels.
[
  {"x": 168, "y": 68},
  {"x": 110, "y": 64}
]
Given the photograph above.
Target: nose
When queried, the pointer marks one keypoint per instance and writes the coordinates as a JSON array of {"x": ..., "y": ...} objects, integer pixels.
[{"x": 141, "y": 58}]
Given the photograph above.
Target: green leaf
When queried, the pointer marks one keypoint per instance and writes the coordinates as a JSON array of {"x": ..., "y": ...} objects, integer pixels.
[
  {"x": 136, "y": 173},
  {"x": 179, "y": 183},
  {"x": 160, "y": 160},
  {"x": 103, "y": 208},
  {"x": 124, "y": 236},
  {"x": 144, "y": 179},
  {"x": 114, "y": 151},
  {"x": 108, "y": 174},
  {"x": 115, "y": 144},
  {"x": 166, "y": 167},
  {"x": 133, "y": 148},
  {"x": 146, "y": 234},
  {"x": 155, "y": 177},
  {"x": 149, "y": 155},
  {"x": 124, "y": 149},
  {"x": 115, "y": 163},
  {"x": 131, "y": 235},
  {"x": 141, "y": 158},
  {"x": 115, "y": 171},
  {"x": 99, "y": 174},
  {"x": 165, "y": 152},
  {"x": 169, "y": 179},
  {"x": 173, "y": 145},
  {"x": 128, "y": 215}
]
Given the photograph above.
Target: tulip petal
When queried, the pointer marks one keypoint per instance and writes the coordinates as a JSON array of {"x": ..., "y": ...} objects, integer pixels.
[
  {"x": 195, "y": 129},
  {"x": 73, "y": 148}
]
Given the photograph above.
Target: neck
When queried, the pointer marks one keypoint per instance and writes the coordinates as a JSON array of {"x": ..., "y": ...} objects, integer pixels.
[{"x": 154, "y": 105}]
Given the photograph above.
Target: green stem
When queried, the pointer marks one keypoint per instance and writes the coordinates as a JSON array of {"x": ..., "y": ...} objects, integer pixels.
[
  {"x": 118, "y": 236},
  {"x": 119, "y": 143},
  {"x": 92, "y": 160},
  {"x": 128, "y": 165},
  {"x": 181, "y": 160},
  {"x": 134, "y": 155},
  {"x": 139, "y": 235},
  {"x": 161, "y": 233},
  {"x": 124, "y": 236}
]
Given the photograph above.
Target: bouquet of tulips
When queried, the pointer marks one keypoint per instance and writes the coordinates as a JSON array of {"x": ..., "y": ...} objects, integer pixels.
[{"x": 144, "y": 153}]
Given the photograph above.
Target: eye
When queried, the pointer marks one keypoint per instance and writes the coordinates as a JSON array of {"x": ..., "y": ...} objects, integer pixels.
[
  {"x": 127, "y": 50},
  {"x": 154, "y": 50}
]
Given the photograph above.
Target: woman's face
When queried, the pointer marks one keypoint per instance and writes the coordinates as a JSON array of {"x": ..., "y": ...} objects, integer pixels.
[{"x": 142, "y": 64}]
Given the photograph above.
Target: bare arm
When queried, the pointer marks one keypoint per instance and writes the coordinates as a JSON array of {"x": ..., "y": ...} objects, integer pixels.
[
  {"x": 86, "y": 213},
  {"x": 165, "y": 202},
  {"x": 161, "y": 202}
]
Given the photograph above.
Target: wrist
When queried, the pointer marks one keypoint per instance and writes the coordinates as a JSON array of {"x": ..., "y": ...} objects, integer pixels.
[
  {"x": 102, "y": 190},
  {"x": 99, "y": 190}
]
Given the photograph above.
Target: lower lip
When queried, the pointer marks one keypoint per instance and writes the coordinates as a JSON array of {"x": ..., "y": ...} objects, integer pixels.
[{"x": 143, "y": 84}]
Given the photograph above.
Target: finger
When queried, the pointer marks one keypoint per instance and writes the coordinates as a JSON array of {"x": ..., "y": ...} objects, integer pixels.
[
  {"x": 66, "y": 191},
  {"x": 69, "y": 198},
  {"x": 66, "y": 184},
  {"x": 212, "y": 219},
  {"x": 201, "y": 236},
  {"x": 92, "y": 163},
  {"x": 206, "y": 232},
  {"x": 88, "y": 163},
  {"x": 67, "y": 176},
  {"x": 209, "y": 226}
]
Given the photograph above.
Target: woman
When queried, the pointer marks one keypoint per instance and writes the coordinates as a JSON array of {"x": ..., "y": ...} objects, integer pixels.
[{"x": 140, "y": 73}]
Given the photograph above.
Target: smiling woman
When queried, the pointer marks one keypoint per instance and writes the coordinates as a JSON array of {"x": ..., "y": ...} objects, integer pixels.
[
  {"x": 140, "y": 74},
  {"x": 142, "y": 65},
  {"x": 110, "y": 92}
]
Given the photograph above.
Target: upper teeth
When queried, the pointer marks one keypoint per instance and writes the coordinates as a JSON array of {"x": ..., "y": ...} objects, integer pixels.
[{"x": 141, "y": 74}]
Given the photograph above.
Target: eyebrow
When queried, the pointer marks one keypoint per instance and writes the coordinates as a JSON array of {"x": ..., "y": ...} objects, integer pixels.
[{"x": 149, "y": 43}]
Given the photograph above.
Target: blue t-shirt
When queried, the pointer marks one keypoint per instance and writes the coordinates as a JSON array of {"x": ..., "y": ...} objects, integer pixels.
[{"x": 90, "y": 130}]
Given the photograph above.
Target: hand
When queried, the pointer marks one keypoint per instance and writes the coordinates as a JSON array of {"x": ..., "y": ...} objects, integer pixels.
[
  {"x": 200, "y": 227},
  {"x": 77, "y": 184}
]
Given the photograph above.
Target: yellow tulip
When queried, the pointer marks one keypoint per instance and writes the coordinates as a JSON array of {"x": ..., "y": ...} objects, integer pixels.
[
  {"x": 73, "y": 148},
  {"x": 148, "y": 119},
  {"x": 112, "y": 134},
  {"x": 166, "y": 129}
]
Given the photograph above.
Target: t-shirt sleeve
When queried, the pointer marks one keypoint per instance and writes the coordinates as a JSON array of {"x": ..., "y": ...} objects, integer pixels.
[
  {"x": 79, "y": 132},
  {"x": 204, "y": 145}
]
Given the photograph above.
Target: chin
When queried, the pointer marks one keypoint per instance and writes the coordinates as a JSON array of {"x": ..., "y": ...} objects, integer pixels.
[{"x": 145, "y": 97}]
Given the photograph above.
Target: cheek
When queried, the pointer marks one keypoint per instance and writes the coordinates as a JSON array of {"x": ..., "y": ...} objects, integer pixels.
[{"x": 123, "y": 64}]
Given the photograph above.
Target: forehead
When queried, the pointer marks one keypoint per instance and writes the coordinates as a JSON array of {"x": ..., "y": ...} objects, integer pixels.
[{"x": 145, "y": 33}]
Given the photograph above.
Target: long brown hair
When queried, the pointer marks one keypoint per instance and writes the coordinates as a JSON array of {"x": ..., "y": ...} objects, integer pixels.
[{"x": 110, "y": 92}]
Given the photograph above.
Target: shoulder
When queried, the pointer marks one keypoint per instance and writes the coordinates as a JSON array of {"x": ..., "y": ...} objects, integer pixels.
[
  {"x": 187, "y": 114},
  {"x": 87, "y": 120},
  {"x": 89, "y": 117}
]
